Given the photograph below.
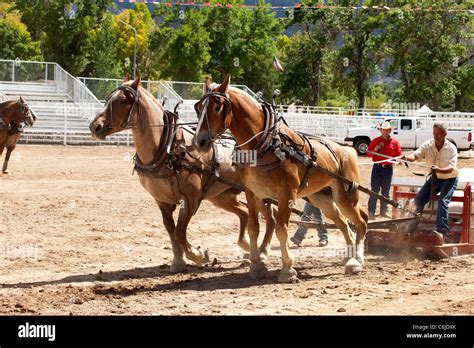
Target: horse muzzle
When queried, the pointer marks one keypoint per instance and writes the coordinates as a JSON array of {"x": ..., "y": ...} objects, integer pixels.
[
  {"x": 97, "y": 130},
  {"x": 30, "y": 120},
  {"x": 202, "y": 141}
]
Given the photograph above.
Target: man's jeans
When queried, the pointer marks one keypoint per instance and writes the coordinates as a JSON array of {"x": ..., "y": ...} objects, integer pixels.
[
  {"x": 446, "y": 188},
  {"x": 311, "y": 213},
  {"x": 381, "y": 178}
]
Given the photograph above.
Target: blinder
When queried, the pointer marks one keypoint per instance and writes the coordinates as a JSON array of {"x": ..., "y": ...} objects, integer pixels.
[
  {"x": 132, "y": 117},
  {"x": 205, "y": 104}
]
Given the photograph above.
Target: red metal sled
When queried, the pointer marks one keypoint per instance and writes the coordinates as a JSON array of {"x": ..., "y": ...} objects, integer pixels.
[{"x": 459, "y": 241}]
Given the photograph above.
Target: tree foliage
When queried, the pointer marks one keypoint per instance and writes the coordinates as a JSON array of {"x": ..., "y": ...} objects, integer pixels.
[
  {"x": 64, "y": 28},
  {"x": 16, "y": 41},
  {"x": 429, "y": 54},
  {"x": 308, "y": 73},
  {"x": 183, "y": 43},
  {"x": 416, "y": 51}
]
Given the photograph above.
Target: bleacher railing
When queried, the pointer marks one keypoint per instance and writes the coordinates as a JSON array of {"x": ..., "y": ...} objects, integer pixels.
[{"x": 18, "y": 71}]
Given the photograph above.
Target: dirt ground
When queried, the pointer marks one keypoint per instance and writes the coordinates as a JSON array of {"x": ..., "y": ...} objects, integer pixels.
[{"x": 79, "y": 235}]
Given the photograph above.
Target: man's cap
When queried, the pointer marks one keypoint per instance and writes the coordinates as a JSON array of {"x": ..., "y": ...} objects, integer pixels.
[{"x": 386, "y": 125}]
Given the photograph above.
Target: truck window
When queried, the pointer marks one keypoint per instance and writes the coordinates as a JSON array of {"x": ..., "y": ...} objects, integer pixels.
[
  {"x": 405, "y": 124},
  {"x": 394, "y": 124}
]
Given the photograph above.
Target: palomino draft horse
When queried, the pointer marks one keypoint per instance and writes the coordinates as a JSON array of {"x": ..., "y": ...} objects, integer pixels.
[
  {"x": 13, "y": 113},
  {"x": 282, "y": 171},
  {"x": 171, "y": 174}
]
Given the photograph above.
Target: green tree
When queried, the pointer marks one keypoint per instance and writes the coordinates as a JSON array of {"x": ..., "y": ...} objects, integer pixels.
[
  {"x": 243, "y": 44},
  {"x": 15, "y": 38},
  {"x": 139, "y": 18},
  {"x": 431, "y": 53},
  {"x": 358, "y": 59},
  {"x": 65, "y": 28},
  {"x": 308, "y": 76},
  {"x": 182, "y": 43},
  {"x": 104, "y": 58}
]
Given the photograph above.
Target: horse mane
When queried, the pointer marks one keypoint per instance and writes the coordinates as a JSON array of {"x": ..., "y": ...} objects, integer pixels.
[{"x": 247, "y": 97}]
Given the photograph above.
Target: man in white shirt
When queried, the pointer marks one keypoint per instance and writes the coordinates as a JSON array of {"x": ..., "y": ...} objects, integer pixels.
[{"x": 443, "y": 157}]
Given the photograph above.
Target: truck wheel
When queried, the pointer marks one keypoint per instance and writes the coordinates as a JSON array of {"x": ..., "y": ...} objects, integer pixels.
[{"x": 362, "y": 146}]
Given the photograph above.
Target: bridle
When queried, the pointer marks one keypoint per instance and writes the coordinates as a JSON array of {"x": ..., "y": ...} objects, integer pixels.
[
  {"x": 129, "y": 123},
  {"x": 202, "y": 115}
]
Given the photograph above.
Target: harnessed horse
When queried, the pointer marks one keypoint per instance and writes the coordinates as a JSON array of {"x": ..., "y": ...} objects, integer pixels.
[
  {"x": 172, "y": 174},
  {"x": 289, "y": 166},
  {"x": 13, "y": 115}
]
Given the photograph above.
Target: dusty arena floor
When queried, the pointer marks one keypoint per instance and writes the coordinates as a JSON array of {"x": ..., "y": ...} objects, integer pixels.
[{"x": 80, "y": 236}]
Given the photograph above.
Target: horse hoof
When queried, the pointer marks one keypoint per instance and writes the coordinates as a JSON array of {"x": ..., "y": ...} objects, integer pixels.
[
  {"x": 353, "y": 267},
  {"x": 178, "y": 267},
  {"x": 258, "y": 270},
  {"x": 6, "y": 172},
  {"x": 345, "y": 260},
  {"x": 290, "y": 276},
  {"x": 361, "y": 260}
]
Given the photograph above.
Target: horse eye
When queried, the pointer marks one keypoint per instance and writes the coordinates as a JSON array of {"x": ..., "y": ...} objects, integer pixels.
[{"x": 217, "y": 108}]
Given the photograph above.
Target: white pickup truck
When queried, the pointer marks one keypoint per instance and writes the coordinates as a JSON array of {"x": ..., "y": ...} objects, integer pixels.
[{"x": 408, "y": 132}]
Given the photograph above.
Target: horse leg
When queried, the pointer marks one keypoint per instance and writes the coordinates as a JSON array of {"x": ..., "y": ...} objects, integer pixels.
[
  {"x": 351, "y": 209},
  {"x": 7, "y": 158},
  {"x": 285, "y": 200},
  {"x": 257, "y": 264},
  {"x": 270, "y": 222},
  {"x": 229, "y": 202},
  {"x": 1, "y": 150},
  {"x": 186, "y": 211},
  {"x": 325, "y": 202},
  {"x": 178, "y": 264}
]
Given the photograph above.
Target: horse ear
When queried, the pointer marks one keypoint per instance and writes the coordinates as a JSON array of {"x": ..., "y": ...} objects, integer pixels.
[
  {"x": 126, "y": 78},
  {"x": 207, "y": 84},
  {"x": 136, "y": 83},
  {"x": 224, "y": 85},
  {"x": 21, "y": 100}
]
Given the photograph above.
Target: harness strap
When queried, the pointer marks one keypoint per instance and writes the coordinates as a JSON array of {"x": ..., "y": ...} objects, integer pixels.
[
  {"x": 161, "y": 156},
  {"x": 269, "y": 124},
  {"x": 306, "y": 161},
  {"x": 309, "y": 169}
]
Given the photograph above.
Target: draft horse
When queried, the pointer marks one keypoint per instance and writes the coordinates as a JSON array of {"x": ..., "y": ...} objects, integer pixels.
[
  {"x": 285, "y": 170},
  {"x": 13, "y": 114},
  {"x": 173, "y": 175}
]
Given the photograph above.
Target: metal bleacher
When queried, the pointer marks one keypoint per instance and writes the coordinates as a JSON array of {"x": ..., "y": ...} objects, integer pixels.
[{"x": 64, "y": 106}]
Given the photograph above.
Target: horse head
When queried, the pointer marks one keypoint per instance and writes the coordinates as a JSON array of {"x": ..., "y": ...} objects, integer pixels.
[
  {"x": 120, "y": 110},
  {"x": 18, "y": 112},
  {"x": 214, "y": 111}
]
